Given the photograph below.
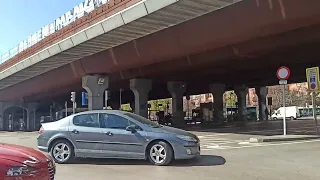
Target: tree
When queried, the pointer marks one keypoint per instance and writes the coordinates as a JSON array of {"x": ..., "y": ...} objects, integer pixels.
[
  {"x": 296, "y": 95},
  {"x": 230, "y": 98}
]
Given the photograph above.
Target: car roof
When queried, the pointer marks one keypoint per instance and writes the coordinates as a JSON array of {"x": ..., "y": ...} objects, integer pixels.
[{"x": 102, "y": 111}]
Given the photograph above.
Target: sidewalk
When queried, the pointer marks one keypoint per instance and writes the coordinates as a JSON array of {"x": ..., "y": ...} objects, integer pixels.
[
  {"x": 295, "y": 127},
  {"x": 278, "y": 138}
]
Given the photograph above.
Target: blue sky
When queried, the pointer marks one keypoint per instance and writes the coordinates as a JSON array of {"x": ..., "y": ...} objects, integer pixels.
[{"x": 21, "y": 18}]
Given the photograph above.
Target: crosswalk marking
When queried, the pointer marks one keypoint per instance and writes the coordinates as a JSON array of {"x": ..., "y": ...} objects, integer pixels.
[{"x": 210, "y": 142}]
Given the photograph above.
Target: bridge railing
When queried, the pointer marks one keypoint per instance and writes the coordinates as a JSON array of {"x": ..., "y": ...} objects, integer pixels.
[{"x": 77, "y": 12}]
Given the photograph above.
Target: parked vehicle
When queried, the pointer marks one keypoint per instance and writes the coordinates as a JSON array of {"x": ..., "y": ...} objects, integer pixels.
[
  {"x": 23, "y": 163},
  {"x": 115, "y": 134},
  {"x": 292, "y": 112}
]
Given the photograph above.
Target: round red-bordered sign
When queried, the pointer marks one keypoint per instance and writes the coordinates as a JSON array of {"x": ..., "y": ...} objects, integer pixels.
[{"x": 283, "y": 73}]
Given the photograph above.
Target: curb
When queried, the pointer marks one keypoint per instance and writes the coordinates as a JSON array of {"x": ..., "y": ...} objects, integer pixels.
[{"x": 259, "y": 140}]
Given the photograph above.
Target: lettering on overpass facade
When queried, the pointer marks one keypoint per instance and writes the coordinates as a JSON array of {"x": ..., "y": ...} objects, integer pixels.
[{"x": 77, "y": 12}]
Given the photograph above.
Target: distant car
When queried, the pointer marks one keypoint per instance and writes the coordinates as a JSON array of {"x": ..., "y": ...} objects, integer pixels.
[
  {"x": 115, "y": 134},
  {"x": 23, "y": 163}
]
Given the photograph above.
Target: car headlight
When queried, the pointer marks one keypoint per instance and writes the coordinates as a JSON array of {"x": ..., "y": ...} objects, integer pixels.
[
  {"x": 187, "y": 138},
  {"x": 20, "y": 171}
]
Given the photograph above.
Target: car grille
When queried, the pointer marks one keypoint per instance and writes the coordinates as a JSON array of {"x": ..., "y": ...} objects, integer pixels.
[{"x": 52, "y": 169}]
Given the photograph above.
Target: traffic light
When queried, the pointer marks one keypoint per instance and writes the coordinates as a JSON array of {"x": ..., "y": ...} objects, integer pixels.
[
  {"x": 107, "y": 95},
  {"x": 73, "y": 96}
]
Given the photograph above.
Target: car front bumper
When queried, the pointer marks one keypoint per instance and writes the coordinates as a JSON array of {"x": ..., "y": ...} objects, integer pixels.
[{"x": 187, "y": 151}]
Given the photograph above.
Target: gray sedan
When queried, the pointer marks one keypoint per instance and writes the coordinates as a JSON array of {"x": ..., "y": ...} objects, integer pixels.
[{"x": 115, "y": 134}]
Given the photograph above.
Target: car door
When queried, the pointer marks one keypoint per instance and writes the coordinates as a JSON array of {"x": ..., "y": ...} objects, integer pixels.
[
  {"x": 119, "y": 142},
  {"x": 87, "y": 135}
]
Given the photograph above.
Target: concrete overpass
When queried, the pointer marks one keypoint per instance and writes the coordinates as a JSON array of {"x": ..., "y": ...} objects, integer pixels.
[{"x": 230, "y": 43}]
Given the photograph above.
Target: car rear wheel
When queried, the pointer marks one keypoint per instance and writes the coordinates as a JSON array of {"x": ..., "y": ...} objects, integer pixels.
[
  {"x": 62, "y": 152},
  {"x": 160, "y": 153}
]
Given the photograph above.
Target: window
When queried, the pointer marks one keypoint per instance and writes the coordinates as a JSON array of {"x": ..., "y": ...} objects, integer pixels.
[
  {"x": 143, "y": 120},
  {"x": 114, "y": 121},
  {"x": 86, "y": 120}
]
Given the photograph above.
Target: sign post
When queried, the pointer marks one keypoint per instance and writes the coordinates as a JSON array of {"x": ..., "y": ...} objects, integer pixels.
[
  {"x": 283, "y": 74},
  {"x": 313, "y": 86}
]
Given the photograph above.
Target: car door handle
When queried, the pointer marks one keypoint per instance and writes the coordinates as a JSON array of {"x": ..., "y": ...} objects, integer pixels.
[
  {"x": 75, "y": 131},
  {"x": 109, "y": 133}
]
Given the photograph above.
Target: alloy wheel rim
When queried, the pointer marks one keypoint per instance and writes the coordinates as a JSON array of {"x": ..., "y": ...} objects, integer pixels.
[
  {"x": 61, "y": 152},
  {"x": 158, "y": 153}
]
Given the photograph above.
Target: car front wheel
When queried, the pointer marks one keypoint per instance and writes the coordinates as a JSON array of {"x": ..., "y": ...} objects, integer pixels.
[
  {"x": 160, "y": 153},
  {"x": 62, "y": 152}
]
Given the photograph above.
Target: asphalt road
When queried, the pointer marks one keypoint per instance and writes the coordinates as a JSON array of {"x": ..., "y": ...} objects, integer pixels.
[{"x": 224, "y": 156}]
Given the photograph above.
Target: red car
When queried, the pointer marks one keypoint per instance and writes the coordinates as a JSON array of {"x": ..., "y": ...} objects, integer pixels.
[{"x": 23, "y": 163}]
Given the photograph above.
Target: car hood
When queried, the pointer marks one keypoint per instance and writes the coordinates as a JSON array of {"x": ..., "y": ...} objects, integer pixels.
[
  {"x": 21, "y": 154},
  {"x": 171, "y": 130}
]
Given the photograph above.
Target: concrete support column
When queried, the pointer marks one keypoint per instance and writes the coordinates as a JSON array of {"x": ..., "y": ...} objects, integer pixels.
[
  {"x": 177, "y": 90},
  {"x": 217, "y": 91},
  {"x": 262, "y": 100},
  {"x": 141, "y": 88},
  {"x": 2, "y": 124},
  {"x": 95, "y": 85},
  {"x": 241, "y": 92},
  {"x": 31, "y": 116}
]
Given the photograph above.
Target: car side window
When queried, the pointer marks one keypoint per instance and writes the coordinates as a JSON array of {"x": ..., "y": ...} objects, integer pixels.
[
  {"x": 87, "y": 120},
  {"x": 114, "y": 121}
]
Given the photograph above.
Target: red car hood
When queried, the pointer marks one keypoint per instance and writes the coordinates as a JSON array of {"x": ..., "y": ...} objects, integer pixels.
[{"x": 21, "y": 154}]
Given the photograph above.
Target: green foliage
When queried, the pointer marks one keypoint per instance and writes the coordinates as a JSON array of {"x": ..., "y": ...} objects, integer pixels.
[
  {"x": 155, "y": 104},
  {"x": 231, "y": 98},
  {"x": 126, "y": 107}
]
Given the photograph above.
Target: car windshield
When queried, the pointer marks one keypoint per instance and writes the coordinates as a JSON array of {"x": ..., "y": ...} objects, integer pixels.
[{"x": 143, "y": 120}]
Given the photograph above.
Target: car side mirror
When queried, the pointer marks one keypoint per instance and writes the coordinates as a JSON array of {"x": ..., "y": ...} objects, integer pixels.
[{"x": 131, "y": 128}]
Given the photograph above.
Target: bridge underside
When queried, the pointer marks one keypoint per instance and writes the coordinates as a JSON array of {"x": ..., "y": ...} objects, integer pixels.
[{"x": 247, "y": 49}]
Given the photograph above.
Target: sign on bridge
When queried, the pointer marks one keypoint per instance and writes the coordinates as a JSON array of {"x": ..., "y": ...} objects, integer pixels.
[{"x": 77, "y": 12}]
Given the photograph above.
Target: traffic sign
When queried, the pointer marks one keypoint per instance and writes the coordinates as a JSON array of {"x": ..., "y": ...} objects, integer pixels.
[
  {"x": 84, "y": 98},
  {"x": 282, "y": 82},
  {"x": 283, "y": 73},
  {"x": 313, "y": 79}
]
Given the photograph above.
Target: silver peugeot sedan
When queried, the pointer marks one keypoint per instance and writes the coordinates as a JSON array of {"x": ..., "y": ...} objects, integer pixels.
[{"x": 115, "y": 134}]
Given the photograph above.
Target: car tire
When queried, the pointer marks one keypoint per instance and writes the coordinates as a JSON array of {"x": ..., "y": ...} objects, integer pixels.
[
  {"x": 164, "y": 153},
  {"x": 65, "y": 147}
]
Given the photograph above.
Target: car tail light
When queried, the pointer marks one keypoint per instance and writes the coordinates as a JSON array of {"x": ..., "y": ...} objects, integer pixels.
[{"x": 41, "y": 131}]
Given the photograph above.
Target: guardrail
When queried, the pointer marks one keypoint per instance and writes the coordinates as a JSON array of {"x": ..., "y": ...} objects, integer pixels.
[{"x": 77, "y": 12}]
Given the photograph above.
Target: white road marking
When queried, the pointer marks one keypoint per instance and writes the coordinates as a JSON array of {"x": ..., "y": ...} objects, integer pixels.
[
  {"x": 244, "y": 142},
  {"x": 261, "y": 145},
  {"x": 212, "y": 142}
]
